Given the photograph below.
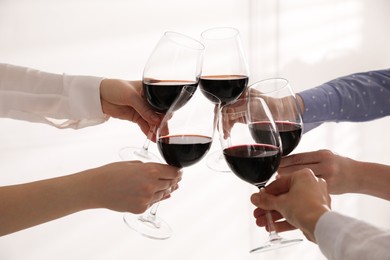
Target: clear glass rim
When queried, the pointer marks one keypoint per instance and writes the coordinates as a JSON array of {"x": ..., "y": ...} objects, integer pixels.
[
  {"x": 184, "y": 40},
  {"x": 222, "y": 33},
  {"x": 281, "y": 83}
]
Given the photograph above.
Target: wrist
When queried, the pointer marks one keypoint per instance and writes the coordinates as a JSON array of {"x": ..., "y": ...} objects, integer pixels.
[
  {"x": 309, "y": 221},
  {"x": 301, "y": 103}
]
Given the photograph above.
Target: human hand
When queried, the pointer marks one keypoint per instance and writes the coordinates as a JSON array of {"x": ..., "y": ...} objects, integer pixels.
[
  {"x": 301, "y": 198},
  {"x": 280, "y": 107},
  {"x": 335, "y": 169},
  {"x": 124, "y": 100},
  {"x": 132, "y": 186}
]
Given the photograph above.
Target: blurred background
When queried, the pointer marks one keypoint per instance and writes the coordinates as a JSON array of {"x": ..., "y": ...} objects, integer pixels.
[{"x": 306, "y": 41}]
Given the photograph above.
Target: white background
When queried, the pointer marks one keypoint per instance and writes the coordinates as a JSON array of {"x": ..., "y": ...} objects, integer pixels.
[{"x": 308, "y": 42}]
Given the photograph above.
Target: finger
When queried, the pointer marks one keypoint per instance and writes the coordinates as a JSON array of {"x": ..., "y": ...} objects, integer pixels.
[
  {"x": 162, "y": 185},
  {"x": 144, "y": 110},
  {"x": 260, "y": 213},
  {"x": 279, "y": 186},
  {"x": 300, "y": 159},
  {"x": 262, "y": 219},
  {"x": 293, "y": 168},
  {"x": 263, "y": 200},
  {"x": 159, "y": 195},
  {"x": 170, "y": 174}
]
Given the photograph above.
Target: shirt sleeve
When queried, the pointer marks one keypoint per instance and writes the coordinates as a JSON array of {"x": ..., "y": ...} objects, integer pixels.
[
  {"x": 341, "y": 237},
  {"x": 354, "y": 98},
  {"x": 61, "y": 100}
]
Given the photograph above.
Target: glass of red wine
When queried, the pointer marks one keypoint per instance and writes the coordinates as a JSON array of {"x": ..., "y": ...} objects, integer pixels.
[
  {"x": 186, "y": 132},
  {"x": 225, "y": 74},
  {"x": 175, "y": 63},
  {"x": 252, "y": 156},
  {"x": 285, "y": 110},
  {"x": 283, "y": 104}
]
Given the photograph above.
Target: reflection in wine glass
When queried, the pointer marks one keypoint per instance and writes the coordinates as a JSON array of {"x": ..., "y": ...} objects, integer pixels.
[
  {"x": 186, "y": 132},
  {"x": 253, "y": 156},
  {"x": 225, "y": 74},
  {"x": 175, "y": 63}
]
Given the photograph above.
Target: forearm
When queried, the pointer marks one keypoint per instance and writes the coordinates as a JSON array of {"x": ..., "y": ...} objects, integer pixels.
[
  {"x": 353, "y": 98},
  {"x": 26, "y": 205},
  {"x": 57, "y": 99},
  {"x": 342, "y": 237},
  {"x": 371, "y": 179}
]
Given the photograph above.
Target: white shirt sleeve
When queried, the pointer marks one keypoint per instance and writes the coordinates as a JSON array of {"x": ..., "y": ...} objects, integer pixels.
[
  {"x": 64, "y": 101},
  {"x": 341, "y": 237}
]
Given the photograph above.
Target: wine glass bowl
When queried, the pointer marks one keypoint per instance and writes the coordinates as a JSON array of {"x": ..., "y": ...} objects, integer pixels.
[
  {"x": 186, "y": 132},
  {"x": 225, "y": 70},
  {"x": 225, "y": 74},
  {"x": 252, "y": 161},
  {"x": 282, "y": 102}
]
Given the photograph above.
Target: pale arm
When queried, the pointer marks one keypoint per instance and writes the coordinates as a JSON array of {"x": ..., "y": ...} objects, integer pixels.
[
  {"x": 122, "y": 186},
  {"x": 342, "y": 174}
]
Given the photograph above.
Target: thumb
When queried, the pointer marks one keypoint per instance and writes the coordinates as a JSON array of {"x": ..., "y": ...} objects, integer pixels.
[{"x": 264, "y": 200}]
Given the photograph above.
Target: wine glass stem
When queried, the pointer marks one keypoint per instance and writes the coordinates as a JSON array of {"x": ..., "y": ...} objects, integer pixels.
[
  {"x": 150, "y": 217},
  {"x": 145, "y": 147},
  {"x": 273, "y": 235}
]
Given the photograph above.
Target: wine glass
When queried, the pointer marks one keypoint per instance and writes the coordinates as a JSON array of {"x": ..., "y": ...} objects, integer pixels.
[
  {"x": 284, "y": 107},
  {"x": 225, "y": 74},
  {"x": 283, "y": 104},
  {"x": 253, "y": 156},
  {"x": 176, "y": 62},
  {"x": 184, "y": 137}
]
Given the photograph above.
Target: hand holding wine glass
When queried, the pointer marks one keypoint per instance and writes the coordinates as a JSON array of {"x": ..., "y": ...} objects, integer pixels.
[
  {"x": 176, "y": 62},
  {"x": 253, "y": 156},
  {"x": 186, "y": 132}
]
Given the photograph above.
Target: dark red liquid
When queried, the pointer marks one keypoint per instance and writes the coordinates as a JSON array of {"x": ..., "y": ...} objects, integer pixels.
[
  {"x": 253, "y": 163},
  {"x": 225, "y": 87},
  {"x": 183, "y": 150},
  {"x": 290, "y": 134},
  {"x": 162, "y": 94}
]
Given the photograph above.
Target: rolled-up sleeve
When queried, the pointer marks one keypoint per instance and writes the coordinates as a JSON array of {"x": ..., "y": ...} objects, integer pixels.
[{"x": 61, "y": 100}]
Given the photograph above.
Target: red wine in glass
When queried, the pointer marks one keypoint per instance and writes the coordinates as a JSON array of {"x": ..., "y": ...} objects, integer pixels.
[
  {"x": 161, "y": 94},
  {"x": 290, "y": 134},
  {"x": 226, "y": 87},
  {"x": 254, "y": 163},
  {"x": 183, "y": 150}
]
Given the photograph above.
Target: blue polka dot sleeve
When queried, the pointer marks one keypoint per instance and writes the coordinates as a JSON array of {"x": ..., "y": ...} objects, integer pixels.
[{"x": 354, "y": 98}]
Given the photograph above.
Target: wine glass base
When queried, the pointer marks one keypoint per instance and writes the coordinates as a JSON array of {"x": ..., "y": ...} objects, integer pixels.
[
  {"x": 137, "y": 153},
  {"x": 148, "y": 226},
  {"x": 275, "y": 244},
  {"x": 216, "y": 162}
]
